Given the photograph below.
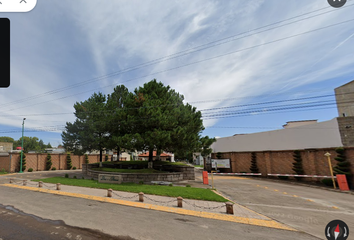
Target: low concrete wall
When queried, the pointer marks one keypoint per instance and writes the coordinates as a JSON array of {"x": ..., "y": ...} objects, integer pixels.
[
  {"x": 138, "y": 177},
  {"x": 176, "y": 173}
]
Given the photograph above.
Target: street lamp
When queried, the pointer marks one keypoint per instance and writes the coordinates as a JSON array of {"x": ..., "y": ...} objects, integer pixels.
[
  {"x": 23, "y": 129},
  {"x": 330, "y": 168}
]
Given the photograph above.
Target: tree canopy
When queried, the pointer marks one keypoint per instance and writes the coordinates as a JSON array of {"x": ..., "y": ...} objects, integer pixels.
[
  {"x": 29, "y": 143},
  {"x": 152, "y": 117}
]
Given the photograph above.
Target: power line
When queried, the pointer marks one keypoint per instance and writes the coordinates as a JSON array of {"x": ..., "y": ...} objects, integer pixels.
[
  {"x": 207, "y": 59},
  {"x": 183, "y": 53}
]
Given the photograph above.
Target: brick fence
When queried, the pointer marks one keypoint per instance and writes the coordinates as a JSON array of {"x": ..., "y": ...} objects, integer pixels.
[
  {"x": 281, "y": 162},
  {"x": 37, "y": 161}
]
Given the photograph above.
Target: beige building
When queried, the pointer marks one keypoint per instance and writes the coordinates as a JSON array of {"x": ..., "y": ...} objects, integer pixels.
[{"x": 6, "y": 146}]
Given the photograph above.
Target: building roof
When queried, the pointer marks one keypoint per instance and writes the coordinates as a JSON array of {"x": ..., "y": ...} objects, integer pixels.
[
  {"x": 316, "y": 135},
  {"x": 154, "y": 154},
  {"x": 344, "y": 85}
]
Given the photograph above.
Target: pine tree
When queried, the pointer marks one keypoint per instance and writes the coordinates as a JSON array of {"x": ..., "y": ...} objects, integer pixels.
[
  {"x": 343, "y": 166},
  {"x": 254, "y": 167},
  {"x": 86, "y": 159},
  {"x": 48, "y": 165},
  {"x": 68, "y": 161},
  {"x": 297, "y": 165},
  {"x": 23, "y": 162}
]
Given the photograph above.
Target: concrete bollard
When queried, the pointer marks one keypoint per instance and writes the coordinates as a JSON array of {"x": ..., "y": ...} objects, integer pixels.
[
  {"x": 24, "y": 182},
  {"x": 141, "y": 197},
  {"x": 11, "y": 180},
  {"x": 40, "y": 184},
  {"x": 179, "y": 202},
  {"x": 229, "y": 208},
  {"x": 58, "y": 186},
  {"x": 109, "y": 192}
]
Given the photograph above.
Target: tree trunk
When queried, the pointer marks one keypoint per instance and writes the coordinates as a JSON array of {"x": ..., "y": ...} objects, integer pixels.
[
  {"x": 118, "y": 153},
  {"x": 151, "y": 155},
  {"x": 101, "y": 158}
]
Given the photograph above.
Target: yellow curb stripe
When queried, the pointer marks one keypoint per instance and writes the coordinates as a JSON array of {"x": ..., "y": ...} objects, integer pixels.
[
  {"x": 216, "y": 216},
  {"x": 8, "y": 174}
]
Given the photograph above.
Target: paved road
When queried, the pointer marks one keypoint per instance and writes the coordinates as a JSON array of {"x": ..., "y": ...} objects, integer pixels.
[
  {"x": 304, "y": 208},
  {"x": 123, "y": 221}
]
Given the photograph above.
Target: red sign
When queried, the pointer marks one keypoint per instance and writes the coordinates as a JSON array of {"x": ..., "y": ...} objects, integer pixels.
[
  {"x": 342, "y": 182},
  {"x": 205, "y": 177}
]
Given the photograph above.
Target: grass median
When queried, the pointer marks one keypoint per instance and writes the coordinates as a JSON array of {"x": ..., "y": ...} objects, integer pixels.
[{"x": 174, "y": 191}]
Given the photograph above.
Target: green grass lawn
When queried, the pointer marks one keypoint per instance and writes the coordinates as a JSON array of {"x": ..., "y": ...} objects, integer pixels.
[
  {"x": 147, "y": 170},
  {"x": 185, "y": 192},
  {"x": 2, "y": 173},
  {"x": 199, "y": 166}
]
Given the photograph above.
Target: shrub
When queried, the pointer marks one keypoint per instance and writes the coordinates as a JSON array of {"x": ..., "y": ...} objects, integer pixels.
[
  {"x": 106, "y": 158},
  {"x": 83, "y": 177},
  {"x": 66, "y": 175},
  {"x": 188, "y": 185},
  {"x": 75, "y": 177},
  {"x": 254, "y": 167},
  {"x": 328, "y": 182},
  {"x": 171, "y": 185},
  {"x": 54, "y": 168},
  {"x": 30, "y": 170},
  {"x": 74, "y": 168},
  {"x": 92, "y": 179},
  {"x": 48, "y": 163},
  {"x": 68, "y": 161},
  {"x": 283, "y": 177},
  {"x": 86, "y": 158},
  {"x": 141, "y": 182},
  {"x": 218, "y": 155},
  {"x": 3, "y": 170}
]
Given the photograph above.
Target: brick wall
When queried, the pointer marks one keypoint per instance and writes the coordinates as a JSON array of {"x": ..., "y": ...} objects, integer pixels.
[
  {"x": 281, "y": 162},
  {"x": 37, "y": 161}
]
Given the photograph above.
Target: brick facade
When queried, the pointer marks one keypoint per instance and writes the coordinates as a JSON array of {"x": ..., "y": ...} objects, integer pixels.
[
  {"x": 281, "y": 162},
  {"x": 37, "y": 161}
]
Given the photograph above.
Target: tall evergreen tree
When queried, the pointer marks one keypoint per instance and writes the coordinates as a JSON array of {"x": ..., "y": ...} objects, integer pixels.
[
  {"x": 297, "y": 164},
  {"x": 254, "y": 167},
  {"x": 68, "y": 161},
  {"x": 48, "y": 165},
  {"x": 343, "y": 166}
]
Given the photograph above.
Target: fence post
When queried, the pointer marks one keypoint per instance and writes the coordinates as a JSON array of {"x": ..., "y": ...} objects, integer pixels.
[
  {"x": 40, "y": 184},
  {"x": 179, "y": 202},
  {"x": 229, "y": 208},
  {"x": 109, "y": 192},
  {"x": 141, "y": 197},
  {"x": 24, "y": 182},
  {"x": 58, "y": 186}
]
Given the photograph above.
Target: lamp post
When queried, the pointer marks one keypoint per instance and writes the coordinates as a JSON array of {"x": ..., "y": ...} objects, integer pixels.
[
  {"x": 23, "y": 128},
  {"x": 330, "y": 168}
]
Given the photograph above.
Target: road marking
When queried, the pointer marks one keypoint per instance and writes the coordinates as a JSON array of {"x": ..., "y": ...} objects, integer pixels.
[
  {"x": 295, "y": 196},
  {"x": 276, "y": 190},
  {"x": 285, "y": 192},
  {"x": 266, "y": 187},
  {"x": 335, "y": 207},
  {"x": 215, "y": 216},
  {"x": 309, "y": 200}
]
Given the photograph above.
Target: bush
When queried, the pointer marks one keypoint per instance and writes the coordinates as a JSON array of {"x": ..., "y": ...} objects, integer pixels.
[
  {"x": 188, "y": 185},
  {"x": 68, "y": 161},
  {"x": 92, "y": 179},
  {"x": 328, "y": 182},
  {"x": 106, "y": 158},
  {"x": 54, "y": 168},
  {"x": 75, "y": 177},
  {"x": 48, "y": 163},
  {"x": 171, "y": 185},
  {"x": 83, "y": 177},
  {"x": 141, "y": 182},
  {"x": 66, "y": 175},
  {"x": 86, "y": 159},
  {"x": 74, "y": 168},
  {"x": 283, "y": 177},
  {"x": 3, "y": 170},
  {"x": 30, "y": 170}
]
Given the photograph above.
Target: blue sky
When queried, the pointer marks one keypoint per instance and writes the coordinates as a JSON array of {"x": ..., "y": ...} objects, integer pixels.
[{"x": 61, "y": 43}]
